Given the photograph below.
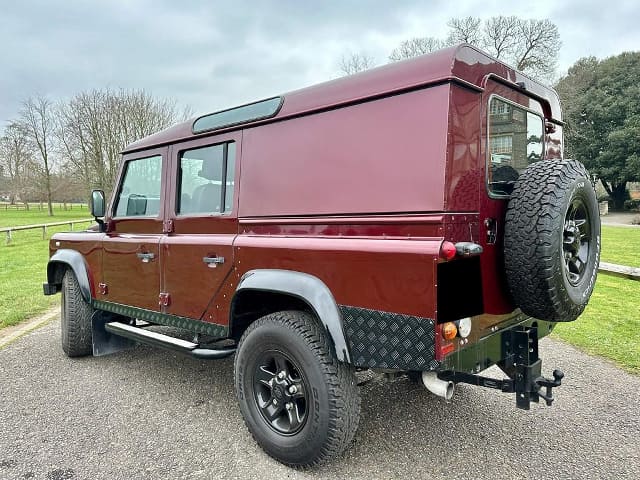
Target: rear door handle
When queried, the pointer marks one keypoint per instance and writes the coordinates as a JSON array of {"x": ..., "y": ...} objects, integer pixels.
[
  {"x": 213, "y": 261},
  {"x": 145, "y": 257}
]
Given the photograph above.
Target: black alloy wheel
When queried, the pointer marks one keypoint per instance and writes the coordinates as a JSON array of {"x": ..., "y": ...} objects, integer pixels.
[
  {"x": 576, "y": 242},
  {"x": 299, "y": 402},
  {"x": 280, "y": 392}
]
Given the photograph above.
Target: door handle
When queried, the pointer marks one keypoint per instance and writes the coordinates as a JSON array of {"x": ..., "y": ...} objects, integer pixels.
[
  {"x": 213, "y": 261},
  {"x": 145, "y": 257}
]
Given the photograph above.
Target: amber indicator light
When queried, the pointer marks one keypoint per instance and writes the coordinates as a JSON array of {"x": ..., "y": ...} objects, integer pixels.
[{"x": 449, "y": 330}]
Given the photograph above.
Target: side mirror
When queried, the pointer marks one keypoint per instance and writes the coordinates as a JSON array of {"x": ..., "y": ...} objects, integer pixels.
[
  {"x": 98, "y": 208},
  {"x": 97, "y": 203}
]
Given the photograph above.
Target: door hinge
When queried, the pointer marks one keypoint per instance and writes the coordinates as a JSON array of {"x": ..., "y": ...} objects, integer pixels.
[
  {"x": 164, "y": 299},
  {"x": 167, "y": 226},
  {"x": 492, "y": 230}
]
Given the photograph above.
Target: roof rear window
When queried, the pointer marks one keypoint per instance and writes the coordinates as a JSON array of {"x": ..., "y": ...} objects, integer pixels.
[
  {"x": 516, "y": 140},
  {"x": 234, "y": 116}
]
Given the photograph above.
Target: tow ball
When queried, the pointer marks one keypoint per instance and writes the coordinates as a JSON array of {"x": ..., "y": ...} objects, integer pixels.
[{"x": 549, "y": 384}]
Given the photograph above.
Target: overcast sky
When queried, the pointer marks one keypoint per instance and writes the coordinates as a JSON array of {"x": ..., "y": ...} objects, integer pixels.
[{"x": 211, "y": 55}]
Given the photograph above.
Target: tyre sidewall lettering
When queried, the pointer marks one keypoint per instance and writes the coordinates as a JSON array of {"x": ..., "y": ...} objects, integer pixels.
[{"x": 581, "y": 292}]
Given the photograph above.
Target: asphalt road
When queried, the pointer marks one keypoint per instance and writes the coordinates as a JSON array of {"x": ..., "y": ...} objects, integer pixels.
[{"x": 149, "y": 414}]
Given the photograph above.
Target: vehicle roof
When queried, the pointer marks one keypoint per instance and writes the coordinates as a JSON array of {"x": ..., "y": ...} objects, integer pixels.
[{"x": 463, "y": 64}]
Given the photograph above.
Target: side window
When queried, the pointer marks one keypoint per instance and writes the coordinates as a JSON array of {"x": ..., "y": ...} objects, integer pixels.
[
  {"x": 206, "y": 180},
  {"x": 139, "y": 194},
  {"x": 515, "y": 141}
]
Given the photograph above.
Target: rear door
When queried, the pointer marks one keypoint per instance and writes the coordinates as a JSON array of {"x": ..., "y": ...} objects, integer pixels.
[
  {"x": 197, "y": 254},
  {"x": 513, "y": 137},
  {"x": 131, "y": 260}
]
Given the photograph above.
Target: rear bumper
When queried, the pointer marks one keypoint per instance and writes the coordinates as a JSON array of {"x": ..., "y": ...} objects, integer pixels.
[
  {"x": 515, "y": 350},
  {"x": 494, "y": 348}
]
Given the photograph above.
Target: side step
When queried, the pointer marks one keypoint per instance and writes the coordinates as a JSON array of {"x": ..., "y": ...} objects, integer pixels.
[{"x": 141, "y": 335}]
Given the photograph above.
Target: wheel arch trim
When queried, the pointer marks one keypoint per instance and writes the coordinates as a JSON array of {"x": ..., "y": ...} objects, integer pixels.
[
  {"x": 74, "y": 260},
  {"x": 308, "y": 288}
]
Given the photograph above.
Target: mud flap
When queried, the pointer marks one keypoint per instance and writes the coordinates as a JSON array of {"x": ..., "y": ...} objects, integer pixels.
[{"x": 105, "y": 343}]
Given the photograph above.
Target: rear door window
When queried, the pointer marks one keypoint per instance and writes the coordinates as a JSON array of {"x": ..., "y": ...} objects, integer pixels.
[{"x": 515, "y": 141}]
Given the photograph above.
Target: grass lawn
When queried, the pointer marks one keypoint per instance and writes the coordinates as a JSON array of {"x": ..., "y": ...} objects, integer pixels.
[
  {"x": 610, "y": 325},
  {"x": 23, "y": 262},
  {"x": 11, "y": 216},
  {"x": 621, "y": 245}
]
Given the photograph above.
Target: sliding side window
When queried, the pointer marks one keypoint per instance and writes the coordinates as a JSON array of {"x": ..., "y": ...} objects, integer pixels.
[{"x": 206, "y": 180}]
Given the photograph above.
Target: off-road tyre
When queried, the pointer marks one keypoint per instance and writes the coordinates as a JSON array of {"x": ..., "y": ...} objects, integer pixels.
[
  {"x": 75, "y": 318},
  {"x": 332, "y": 405},
  {"x": 552, "y": 240}
]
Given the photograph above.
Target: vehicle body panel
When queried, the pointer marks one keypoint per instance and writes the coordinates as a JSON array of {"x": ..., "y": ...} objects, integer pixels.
[{"x": 356, "y": 182}]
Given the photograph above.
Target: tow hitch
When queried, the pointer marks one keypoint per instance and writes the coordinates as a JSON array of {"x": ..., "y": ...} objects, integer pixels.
[{"x": 523, "y": 366}]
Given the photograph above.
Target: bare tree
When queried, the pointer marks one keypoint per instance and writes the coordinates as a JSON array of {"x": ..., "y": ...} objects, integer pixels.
[
  {"x": 500, "y": 35},
  {"x": 530, "y": 45},
  {"x": 464, "y": 30},
  {"x": 37, "y": 122},
  {"x": 355, "y": 62},
  {"x": 416, "y": 46},
  {"x": 537, "y": 51},
  {"x": 95, "y": 126},
  {"x": 17, "y": 162}
]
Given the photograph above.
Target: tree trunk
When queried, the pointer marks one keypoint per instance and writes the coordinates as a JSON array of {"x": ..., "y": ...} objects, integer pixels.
[{"x": 619, "y": 195}]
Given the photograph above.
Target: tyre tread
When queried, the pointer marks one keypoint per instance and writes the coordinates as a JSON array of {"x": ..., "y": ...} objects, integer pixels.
[
  {"x": 76, "y": 326},
  {"x": 344, "y": 412}
]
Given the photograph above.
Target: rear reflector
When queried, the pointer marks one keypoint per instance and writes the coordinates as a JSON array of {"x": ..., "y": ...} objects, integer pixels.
[{"x": 446, "y": 349}]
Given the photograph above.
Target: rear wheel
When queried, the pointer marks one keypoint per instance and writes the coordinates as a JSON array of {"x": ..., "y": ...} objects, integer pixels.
[
  {"x": 75, "y": 318},
  {"x": 552, "y": 240},
  {"x": 300, "y": 404}
]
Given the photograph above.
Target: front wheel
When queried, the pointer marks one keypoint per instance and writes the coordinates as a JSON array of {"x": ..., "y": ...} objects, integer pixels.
[
  {"x": 75, "y": 318},
  {"x": 298, "y": 401}
]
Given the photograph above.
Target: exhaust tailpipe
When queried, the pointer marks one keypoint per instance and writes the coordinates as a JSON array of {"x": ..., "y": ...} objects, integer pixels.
[{"x": 438, "y": 387}]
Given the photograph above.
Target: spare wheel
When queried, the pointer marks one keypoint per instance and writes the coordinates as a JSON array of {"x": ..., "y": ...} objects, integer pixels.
[{"x": 552, "y": 240}]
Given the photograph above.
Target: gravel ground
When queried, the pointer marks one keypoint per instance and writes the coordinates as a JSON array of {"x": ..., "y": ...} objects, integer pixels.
[
  {"x": 620, "y": 218},
  {"x": 149, "y": 414}
]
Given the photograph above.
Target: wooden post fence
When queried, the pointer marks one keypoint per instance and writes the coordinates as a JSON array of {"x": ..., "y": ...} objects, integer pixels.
[{"x": 9, "y": 230}]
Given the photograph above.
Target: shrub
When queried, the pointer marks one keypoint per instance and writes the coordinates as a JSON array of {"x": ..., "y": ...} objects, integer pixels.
[{"x": 633, "y": 205}]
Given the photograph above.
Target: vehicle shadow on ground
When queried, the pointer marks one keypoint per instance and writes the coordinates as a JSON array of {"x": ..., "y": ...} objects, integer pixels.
[{"x": 400, "y": 420}]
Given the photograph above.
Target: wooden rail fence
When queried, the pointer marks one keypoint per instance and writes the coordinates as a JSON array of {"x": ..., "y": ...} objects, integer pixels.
[
  {"x": 632, "y": 273},
  {"x": 9, "y": 230}
]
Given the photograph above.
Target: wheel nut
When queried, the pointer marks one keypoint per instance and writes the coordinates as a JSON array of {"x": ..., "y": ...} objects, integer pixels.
[
  {"x": 293, "y": 389},
  {"x": 275, "y": 402},
  {"x": 289, "y": 406},
  {"x": 282, "y": 374}
]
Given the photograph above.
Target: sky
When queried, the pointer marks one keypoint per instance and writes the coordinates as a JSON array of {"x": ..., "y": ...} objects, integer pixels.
[{"x": 210, "y": 54}]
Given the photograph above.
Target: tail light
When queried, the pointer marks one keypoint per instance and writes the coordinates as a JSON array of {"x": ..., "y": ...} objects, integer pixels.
[{"x": 447, "y": 251}]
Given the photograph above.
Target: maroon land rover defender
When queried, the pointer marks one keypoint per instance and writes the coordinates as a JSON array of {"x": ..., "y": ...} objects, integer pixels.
[{"x": 416, "y": 218}]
